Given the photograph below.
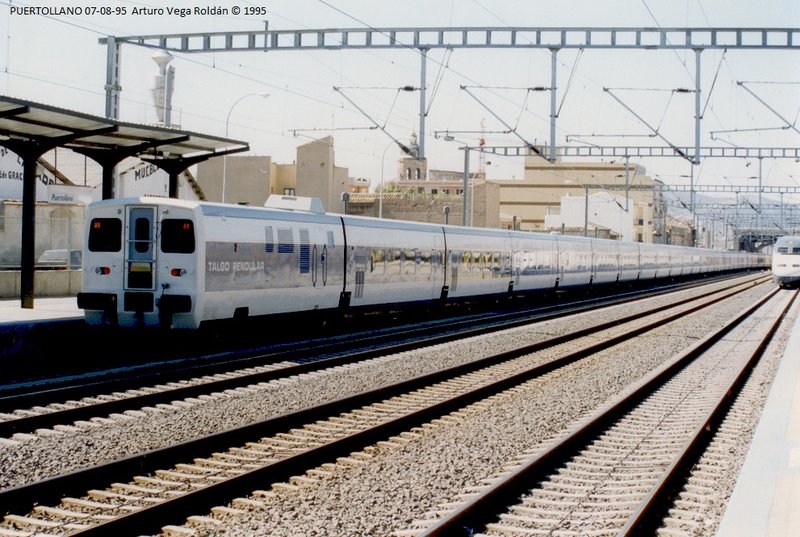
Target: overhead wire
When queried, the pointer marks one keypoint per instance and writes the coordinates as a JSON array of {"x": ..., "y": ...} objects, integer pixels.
[
  {"x": 569, "y": 81},
  {"x": 413, "y": 48},
  {"x": 439, "y": 77}
]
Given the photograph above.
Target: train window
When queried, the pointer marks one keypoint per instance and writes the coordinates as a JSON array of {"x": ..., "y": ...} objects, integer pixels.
[
  {"x": 378, "y": 261},
  {"x": 141, "y": 235},
  {"x": 411, "y": 257},
  {"x": 105, "y": 235},
  {"x": 305, "y": 251},
  {"x": 269, "y": 239},
  {"x": 285, "y": 241},
  {"x": 393, "y": 257},
  {"x": 796, "y": 250},
  {"x": 177, "y": 236}
]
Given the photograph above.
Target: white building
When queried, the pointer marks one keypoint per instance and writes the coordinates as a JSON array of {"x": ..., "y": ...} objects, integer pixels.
[{"x": 604, "y": 215}]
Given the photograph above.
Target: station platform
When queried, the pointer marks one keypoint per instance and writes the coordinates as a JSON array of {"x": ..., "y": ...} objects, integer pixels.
[
  {"x": 44, "y": 309},
  {"x": 766, "y": 498},
  {"x": 38, "y": 331}
]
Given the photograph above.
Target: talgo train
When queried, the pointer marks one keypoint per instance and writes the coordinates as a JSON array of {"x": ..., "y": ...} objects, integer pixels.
[
  {"x": 786, "y": 261},
  {"x": 173, "y": 263}
]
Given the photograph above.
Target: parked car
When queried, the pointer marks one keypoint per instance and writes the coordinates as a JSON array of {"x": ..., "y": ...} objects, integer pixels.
[{"x": 57, "y": 259}]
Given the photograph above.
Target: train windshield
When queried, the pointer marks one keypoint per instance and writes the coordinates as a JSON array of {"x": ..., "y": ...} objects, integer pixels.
[
  {"x": 177, "y": 236},
  {"x": 105, "y": 235}
]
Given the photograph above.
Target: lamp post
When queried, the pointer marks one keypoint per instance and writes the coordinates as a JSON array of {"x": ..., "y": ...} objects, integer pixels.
[{"x": 227, "y": 124}]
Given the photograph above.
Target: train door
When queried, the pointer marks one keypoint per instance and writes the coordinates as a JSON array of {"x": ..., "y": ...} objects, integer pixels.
[
  {"x": 438, "y": 266},
  {"x": 638, "y": 261},
  {"x": 559, "y": 263},
  {"x": 140, "y": 248},
  {"x": 505, "y": 269}
]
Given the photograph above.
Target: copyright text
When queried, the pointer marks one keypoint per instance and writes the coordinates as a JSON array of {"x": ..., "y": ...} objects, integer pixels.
[{"x": 135, "y": 11}]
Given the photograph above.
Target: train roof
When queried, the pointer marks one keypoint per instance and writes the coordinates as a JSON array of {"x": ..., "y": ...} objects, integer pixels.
[
  {"x": 247, "y": 211},
  {"x": 149, "y": 200},
  {"x": 208, "y": 208},
  {"x": 793, "y": 240}
]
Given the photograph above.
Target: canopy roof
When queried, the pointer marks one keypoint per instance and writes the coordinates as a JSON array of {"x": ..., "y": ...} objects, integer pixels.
[
  {"x": 30, "y": 129},
  {"x": 29, "y": 122}
]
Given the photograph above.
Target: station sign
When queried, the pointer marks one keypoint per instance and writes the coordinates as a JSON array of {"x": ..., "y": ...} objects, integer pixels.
[{"x": 11, "y": 177}]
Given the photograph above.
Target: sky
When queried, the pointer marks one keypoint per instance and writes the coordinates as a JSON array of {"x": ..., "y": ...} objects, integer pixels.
[{"x": 58, "y": 60}]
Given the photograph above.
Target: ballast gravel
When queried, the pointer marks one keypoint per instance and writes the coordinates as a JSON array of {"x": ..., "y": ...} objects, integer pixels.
[
  {"x": 420, "y": 476},
  {"x": 463, "y": 454}
]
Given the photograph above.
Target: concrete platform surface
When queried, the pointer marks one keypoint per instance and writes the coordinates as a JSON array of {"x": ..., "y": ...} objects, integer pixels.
[
  {"x": 44, "y": 309},
  {"x": 766, "y": 499}
]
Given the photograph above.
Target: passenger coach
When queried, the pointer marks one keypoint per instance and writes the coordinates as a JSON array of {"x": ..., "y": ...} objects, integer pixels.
[{"x": 174, "y": 263}]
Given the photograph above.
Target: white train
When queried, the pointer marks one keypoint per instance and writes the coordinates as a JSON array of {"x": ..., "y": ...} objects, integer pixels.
[
  {"x": 175, "y": 263},
  {"x": 786, "y": 261}
]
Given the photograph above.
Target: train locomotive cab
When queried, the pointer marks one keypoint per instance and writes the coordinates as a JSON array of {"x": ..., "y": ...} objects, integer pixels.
[
  {"x": 786, "y": 261},
  {"x": 140, "y": 264}
]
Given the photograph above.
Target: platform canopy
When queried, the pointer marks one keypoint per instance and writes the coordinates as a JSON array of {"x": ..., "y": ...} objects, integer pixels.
[{"x": 30, "y": 129}]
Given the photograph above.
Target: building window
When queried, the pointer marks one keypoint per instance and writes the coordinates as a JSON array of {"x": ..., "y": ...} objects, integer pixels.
[
  {"x": 460, "y": 192},
  {"x": 417, "y": 171},
  {"x": 408, "y": 174},
  {"x": 288, "y": 191},
  {"x": 434, "y": 191}
]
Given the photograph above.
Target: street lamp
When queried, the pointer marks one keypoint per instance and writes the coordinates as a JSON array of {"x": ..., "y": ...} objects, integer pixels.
[{"x": 227, "y": 123}]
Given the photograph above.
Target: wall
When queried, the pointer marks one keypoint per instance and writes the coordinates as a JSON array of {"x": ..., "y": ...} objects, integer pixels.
[
  {"x": 416, "y": 208},
  {"x": 57, "y": 226},
  {"x": 283, "y": 176},
  {"x": 46, "y": 283},
  {"x": 539, "y": 193},
  {"x": 421, "y": 207},
  {"x": 248, "y": 179}
]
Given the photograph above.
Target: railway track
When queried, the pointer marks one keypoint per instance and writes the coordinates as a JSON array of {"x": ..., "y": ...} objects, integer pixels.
[
  {"x": 50, "y": 411},
  {"x": 124, "y": 375},
  {"x": 175, "y": 482},
  {"x": 618, "y": 473}
]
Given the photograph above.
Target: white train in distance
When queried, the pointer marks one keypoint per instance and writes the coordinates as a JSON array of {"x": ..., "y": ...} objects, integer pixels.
[
  {"x": 174, "y": 263},
  {"x": 786, "y": 261}
]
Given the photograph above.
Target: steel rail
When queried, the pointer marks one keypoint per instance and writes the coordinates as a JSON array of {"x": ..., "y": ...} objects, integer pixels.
[
  {"x": 23, "y": 498},
  {"x": 659, "y": 499},
  {"x": 24, "y": 395},
  {"x": 475, "y": 514},
  {"x": 17, "y": 396},
  {"x": 71, "y": 415}
]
